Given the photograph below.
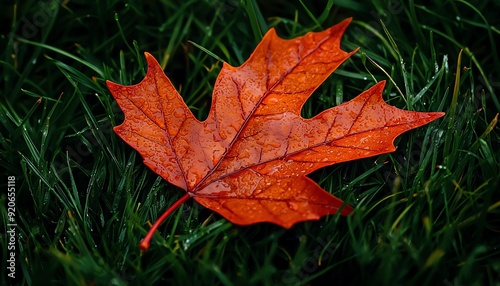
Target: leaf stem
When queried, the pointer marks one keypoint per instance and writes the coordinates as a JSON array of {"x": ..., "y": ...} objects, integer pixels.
[{"x": 144, "y": 245}]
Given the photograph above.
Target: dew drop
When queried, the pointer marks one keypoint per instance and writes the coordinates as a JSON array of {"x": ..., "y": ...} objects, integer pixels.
[
  {"x": 272, "y": 100},
  {"x": 293, "y": 206}
]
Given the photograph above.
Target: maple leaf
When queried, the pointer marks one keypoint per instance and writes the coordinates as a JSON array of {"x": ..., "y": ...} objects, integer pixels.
[{"x": 249, "y": 159}]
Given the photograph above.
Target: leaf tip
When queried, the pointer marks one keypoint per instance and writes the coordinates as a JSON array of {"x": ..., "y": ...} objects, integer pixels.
[
  {"x": 346, "y": 21},
  {"x": 439, "y": 114},
  {"x": 152, "y": 62},
  {"x": 342, "y": 26},
  {"x": 148, "y": 56},
  {"x": 111, "y": 85}
]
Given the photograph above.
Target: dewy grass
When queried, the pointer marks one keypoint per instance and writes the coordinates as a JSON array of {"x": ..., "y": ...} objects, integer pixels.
[{"x": 426, "y": 214}]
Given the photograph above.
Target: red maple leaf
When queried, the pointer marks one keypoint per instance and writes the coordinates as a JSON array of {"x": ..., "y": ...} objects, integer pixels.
[{"x": 249, "y": 159}]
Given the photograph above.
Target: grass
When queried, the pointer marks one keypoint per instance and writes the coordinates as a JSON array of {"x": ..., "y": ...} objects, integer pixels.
[{"x": 427, "y": 214}]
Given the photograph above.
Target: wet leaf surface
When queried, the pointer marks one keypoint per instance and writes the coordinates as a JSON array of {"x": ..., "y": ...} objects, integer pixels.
[{"x": 249, "y": 159}]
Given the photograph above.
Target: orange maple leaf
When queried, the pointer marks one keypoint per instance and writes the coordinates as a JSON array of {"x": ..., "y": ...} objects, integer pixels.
[{"x": 249, "y": 159}]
